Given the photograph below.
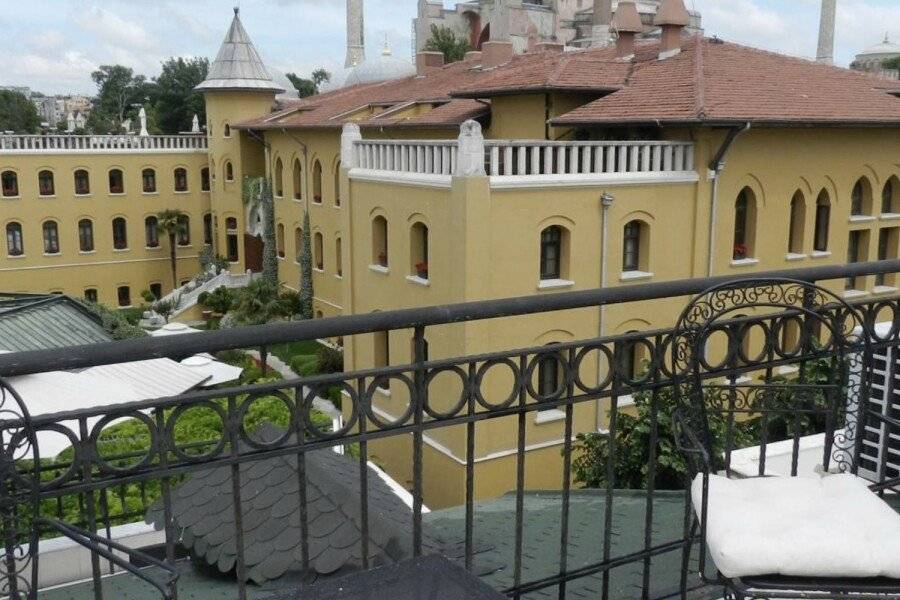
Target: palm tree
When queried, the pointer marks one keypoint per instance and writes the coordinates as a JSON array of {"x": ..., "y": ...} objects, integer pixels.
[
  {"x": 260, "y": 303},
  {"x": 171, "y": 223}
]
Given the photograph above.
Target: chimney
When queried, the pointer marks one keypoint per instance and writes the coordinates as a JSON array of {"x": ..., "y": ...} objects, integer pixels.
[
  {"x": 825, "y": 52},
  {"x": 672, "y": 17},
  {"x": 428, "y": 61},
  {"x": 627, "y": 22},
  {"x": 472, "y": 56}
]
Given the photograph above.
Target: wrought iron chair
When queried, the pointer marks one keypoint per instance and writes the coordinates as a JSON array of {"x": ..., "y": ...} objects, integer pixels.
[
  {"x": 21, "y": 523},
  {"x": 708, "y": 411}
]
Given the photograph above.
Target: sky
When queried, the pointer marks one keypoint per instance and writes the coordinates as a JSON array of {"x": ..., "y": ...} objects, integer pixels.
[{"x": 53, "y": 45}]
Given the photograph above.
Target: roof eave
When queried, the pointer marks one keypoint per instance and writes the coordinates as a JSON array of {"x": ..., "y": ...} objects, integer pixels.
[
  {"x": 770, "y": 123},
  {"x": 542, "y": 89}
]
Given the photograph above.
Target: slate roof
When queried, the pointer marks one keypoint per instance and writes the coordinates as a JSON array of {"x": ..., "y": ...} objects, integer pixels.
[
  {"x": 710, "y": 81},
  {"x": 203, "y": 508},
  {"x": 238, "y": 65},
  {"x": 38, "y": 322}
]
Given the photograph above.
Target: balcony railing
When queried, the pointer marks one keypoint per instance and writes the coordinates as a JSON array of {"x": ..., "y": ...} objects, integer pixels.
[
  {"x": 606, "y": 554},
  {"x": 63, "y": 144},
  {"x": 425, "y": 157}
]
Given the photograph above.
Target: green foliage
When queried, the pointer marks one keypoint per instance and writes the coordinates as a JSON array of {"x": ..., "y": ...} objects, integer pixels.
[
  {"x": 309, "y": 87},
  {"x": 118, "y": 90},
  {"x": 329, "y": 360},
  {"x": 165, "y": 308},
  {"x": 210, "y": 261},
  {"x": 220, "y": 300},
  {"x": 292, "y": 302},
  {"x": 305, "y": 365},
  {"x": 306, "y": 279},
  {"x": 18, "y": 113},
  {"x": 148, "y": 296},
  {"x": 256, "y": 192},
  {"x": 445, "y": 40},
  {"x": 170, "y": 222},
  {"x": 116, "y": 322},
  {"x": 259, "y": 303},
  {"x": 174, "y": 101},
  {"x": 632, "y": 441}
]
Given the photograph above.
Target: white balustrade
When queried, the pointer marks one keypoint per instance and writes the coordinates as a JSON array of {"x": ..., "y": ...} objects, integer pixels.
[
  {"x": 102, "y": 143},
  {"x": 422, "y": 157}
]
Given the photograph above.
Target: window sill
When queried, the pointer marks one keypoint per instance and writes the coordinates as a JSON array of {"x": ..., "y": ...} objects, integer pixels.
[
  {"x": 318, "y": 270},
  {"x": 185, "y": 245},
  {"x": 339, "y": 276},
  {"x": 890, "y": 216},
  {"x": 15, "y": 256},
  {"x": 116, "y": 194},
  {"x": 147, "y": 248},
  {"x": 84, "y": 195},
  {"x": 50, "y": 254},
  {"x": 417, "y": 280},
  {"x": 793, "y": 256},
  {"x": 53, "y": 196},
  {"x": 281, "y": 258},
  {"x": 277, "y": 197},
  {"x": 744, "y": 262},
  {"x": 861, "y": 218},
  {"x": 336, "y": 207},
  {"x": 121, "y": 249},
  {"x": 204, "y": 191},
  {"x": 849, "y": 294},
  {"x": 820, "y": 254},
  {"x": 635, "y": 275},
  {"x": 379, "y": 269},
  {"x": 12, "y": 197},
  {"x": 87, "y": 252},
  {"x": 884, "y": 289},
  {"x": 555, "y": 284},
  {"x": 552, "y": 415},
  {"x": 182, "y": 192}
]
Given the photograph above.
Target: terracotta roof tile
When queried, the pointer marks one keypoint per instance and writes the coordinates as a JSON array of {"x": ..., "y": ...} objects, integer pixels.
[{"x": 715, "y": 81}]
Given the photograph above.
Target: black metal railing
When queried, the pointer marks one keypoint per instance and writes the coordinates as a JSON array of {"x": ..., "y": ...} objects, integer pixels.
[{"x": 418, "y": 409}]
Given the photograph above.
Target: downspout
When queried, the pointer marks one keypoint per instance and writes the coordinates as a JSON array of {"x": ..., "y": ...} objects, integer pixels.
[
  {"x": 606, "y": 201},
  {"x": 716, "y": 166}
]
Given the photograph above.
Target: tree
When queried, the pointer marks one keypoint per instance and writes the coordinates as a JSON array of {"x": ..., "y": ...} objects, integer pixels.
[
  {"x": 165, "y": 308},
  {"x": 18, "y": 113},
  {"x": 445, "y": 40},
  {"x": 257, "y": 194},
  {"x": 220, "y": 300},
  {"x": 260, "y": 303},
  {"x": 173, "y": 99},
  {"x": 891, "y": 63},
  {"x": 306, "y": 280},
  {"x": 171, "y": 223},
  {"x": 309, "y": 87},
  {"x": 118, "y": 88}
]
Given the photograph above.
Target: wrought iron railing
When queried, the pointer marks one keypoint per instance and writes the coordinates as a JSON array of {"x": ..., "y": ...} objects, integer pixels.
[{"x": 590, "y": 371}]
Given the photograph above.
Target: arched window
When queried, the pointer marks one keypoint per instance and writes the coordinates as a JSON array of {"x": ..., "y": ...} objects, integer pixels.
[
  {"x": 151, "y": 231},
  {"x": 796, "y": 227},
  {"x": 184, "y": 230},
  {"x": 14, "y": 243},
  {"x": 116, "y": 181},
  {"x": 890, "y": 195},
  {"x": 10, "y": 184},
  {"x": 279, "y": 179},
  {"x": 204, "y": 179},
  {"x": 380, "y": 241},
  {"x": 554, "y": 253},
  {"x": 418, "y": 250},
  {"x": 861, "y": 198},
  {"x": 148, "y": 181},
  {"x": 120, "y": 234},
  {"x": 46, "y": 186},
  {"x": 207, "y": 229},
  {"x": 229, "y": 171},
  {"x": 338, "y": 258},
  {"x": 82, "y": 183},
  {"x": 823, "y": 218},
  {"x": 279, "y": 240},
  {"x": 51, "y": 237},
  {"x": 317, "y": 182},
  {"x": 86, "y": 235},
  {"x": 635, "y": 246},
  {"x": 744, "y": 225},
  {"x": 123, "y": 295},
  {"x": 226, "y": 131},
  {"x": 337, "y": 183},
  {"x": 317, "y": 251},
  {"x": 298, "y": 180},
  {"x": 181, "y": 180}
]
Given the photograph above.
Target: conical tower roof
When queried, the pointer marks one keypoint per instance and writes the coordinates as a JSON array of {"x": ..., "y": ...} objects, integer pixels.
[{"x": 238, "y": 65}]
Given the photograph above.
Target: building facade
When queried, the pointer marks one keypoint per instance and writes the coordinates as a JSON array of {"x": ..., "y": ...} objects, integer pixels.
[{"x": 507, "y": 175}]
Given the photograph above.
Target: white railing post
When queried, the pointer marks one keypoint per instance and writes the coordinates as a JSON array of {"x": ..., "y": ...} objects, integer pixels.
[
  {"x": 470, "y": 155},
  {"x": 351, "y": 136}
]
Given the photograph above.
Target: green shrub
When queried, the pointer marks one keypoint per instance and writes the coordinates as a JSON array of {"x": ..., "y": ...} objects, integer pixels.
[
  {"x": 220, "y": 300},
  {"x": 148, "y": 296},
  {"x": 330, "y": 360},
  {"x": 305, "y": 365}
]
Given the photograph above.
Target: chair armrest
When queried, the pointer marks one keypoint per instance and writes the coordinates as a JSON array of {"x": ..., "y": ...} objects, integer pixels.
[{"x": 96, "y": 543}]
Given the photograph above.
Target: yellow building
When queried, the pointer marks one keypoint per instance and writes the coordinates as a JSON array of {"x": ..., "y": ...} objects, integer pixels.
[{"x": 503, "y": 175}]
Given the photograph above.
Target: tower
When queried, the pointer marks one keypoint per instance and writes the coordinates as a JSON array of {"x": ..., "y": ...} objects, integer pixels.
[
  {"x": 356, "y": 36},
  {"x": 600, "y": 23},
  {"x": 825, "y": 52}
]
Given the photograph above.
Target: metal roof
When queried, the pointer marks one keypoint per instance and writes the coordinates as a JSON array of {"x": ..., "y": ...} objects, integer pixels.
[
  {"x": 238, "y": 65},
  {"x": 46, "y": 322}
]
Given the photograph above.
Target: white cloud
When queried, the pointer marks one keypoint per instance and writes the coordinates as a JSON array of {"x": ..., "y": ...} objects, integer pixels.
[{"x": 113, "y": 30}]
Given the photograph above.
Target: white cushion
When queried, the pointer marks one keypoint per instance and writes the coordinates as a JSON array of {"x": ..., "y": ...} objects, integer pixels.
[{"x": 806, "y": 527}]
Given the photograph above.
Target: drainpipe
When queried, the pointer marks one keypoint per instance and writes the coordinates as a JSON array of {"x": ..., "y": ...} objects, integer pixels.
[
  {"x": 606, "y": 201},
  {"x": 716, "y": 166}
]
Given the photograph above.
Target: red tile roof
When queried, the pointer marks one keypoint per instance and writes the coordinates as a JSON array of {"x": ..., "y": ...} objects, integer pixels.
[{"x": 712, "y": 81}]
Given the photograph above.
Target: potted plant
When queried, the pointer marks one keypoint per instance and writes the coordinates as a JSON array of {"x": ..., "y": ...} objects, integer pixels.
[
  {"x": 740, "y": 251},
  {"x": 422, "y": 269},
  {"x": 382, "y": 259}
]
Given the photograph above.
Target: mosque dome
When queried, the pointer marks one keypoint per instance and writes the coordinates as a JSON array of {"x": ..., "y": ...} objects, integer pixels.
[
  {"x": 381, "y": 68},
  {"x": 887, "y": 48}
]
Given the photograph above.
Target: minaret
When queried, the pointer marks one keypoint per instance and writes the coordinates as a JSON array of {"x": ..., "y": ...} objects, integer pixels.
[
  {"x": 600, "y": 31},
  {"x": 356, "y": 36},
  {"x": 825, "y": 53}
]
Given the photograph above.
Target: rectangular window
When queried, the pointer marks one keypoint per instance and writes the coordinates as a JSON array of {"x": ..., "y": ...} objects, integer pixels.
[
  {"x": 124, "y": 296},
  {"x": 857, "y": 247},
  {"x": 887, "y": 249},
  {"x": 232, "y": 243},
  {"x": 90, "y": 295}
]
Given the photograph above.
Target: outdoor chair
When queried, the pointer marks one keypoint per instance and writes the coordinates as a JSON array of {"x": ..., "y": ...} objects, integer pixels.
[
  {"x": 21, "y": 522},
  {"x": 816, "y": 534}
]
